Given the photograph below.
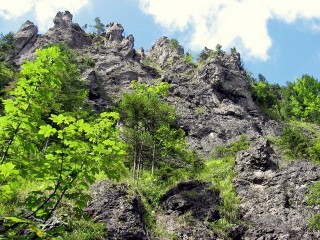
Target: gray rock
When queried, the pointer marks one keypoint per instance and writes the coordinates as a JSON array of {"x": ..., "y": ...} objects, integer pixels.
[
  {"x": 164, "y": 52},
  {"x": 214, "y": 106},
  {"x": 63, "y": 20},
  {"x": 188, "y": 208},
  {"x": 25, "y": 38},
  {"x": 258, "y": 157},
  {"x": 273, "y": 199},
  {"x": 114, "y": 32},
  {"x": 67, "y": 32},
  {"x": 119, "y": 209},
  {"x": 64, "y": 31}
]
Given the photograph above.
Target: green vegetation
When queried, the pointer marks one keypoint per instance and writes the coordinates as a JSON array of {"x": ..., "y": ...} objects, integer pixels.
[
  {"x": 267, "y": 96},
  {"x": 217, "y": 170},
  {"x": 52, "y": 147},
  {"x": 45, "y": 139},
  {"x": 174, "y": 43},
  {"x": 84, "y": 229},
  {"x": 150, "y": 62},
  {"x": 299, "y": 100},
  {"x": 208, "y": 53},
  {"x": 99, "y": 27},
  {"x": 6, "y": 44},
  {"x": 7, "y": 74},
  {"x": 190, "y": 59},
  {"x": 298, "y": 105},
  {"x": 314, "y": 199},
  {"x": 300, "y": 140},
  {"x": 86, "y": 62},
  {"x": 152, "y": 142}
]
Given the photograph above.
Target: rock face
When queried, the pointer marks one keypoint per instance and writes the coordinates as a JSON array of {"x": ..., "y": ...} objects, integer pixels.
[
  {"x": 214, "y": 106},
  {"x": 121, "y": 211},
  {"x": 273, "y": 199},
  {"x": 213, "y": 101},
  {"x": 187, "y": 209},
  {"x": 64, "y": 31},
  {"x": 165, "y": 52},
  {"x": 25, "y": 38}
]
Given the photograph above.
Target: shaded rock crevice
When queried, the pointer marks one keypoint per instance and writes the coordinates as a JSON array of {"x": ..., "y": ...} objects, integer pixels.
[{"x": 187, "y": 209}]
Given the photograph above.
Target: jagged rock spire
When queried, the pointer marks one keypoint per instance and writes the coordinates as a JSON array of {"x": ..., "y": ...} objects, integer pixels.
[{"x": 25, "y": 37}]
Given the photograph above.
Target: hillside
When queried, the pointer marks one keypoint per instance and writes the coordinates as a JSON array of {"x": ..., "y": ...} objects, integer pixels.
[{"x": 215, "y": 109}]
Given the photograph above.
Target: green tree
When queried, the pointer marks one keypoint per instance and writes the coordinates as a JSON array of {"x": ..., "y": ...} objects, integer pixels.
[
  {"x": 99, "y": 27},
  {"x": 266, "y": 95},
  {"x": 6, "y": 70},
  {"x": 73, "y": 92},
  {"x": 6, "y": 44},
  {"x": 151, "y": 140},
  {"x": 6, "y": 76},
  {"x": 302, "y": 99},
  {"x": 62, "y": 150}
]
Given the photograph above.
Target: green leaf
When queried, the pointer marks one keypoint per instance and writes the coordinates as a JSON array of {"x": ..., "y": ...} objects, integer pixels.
[
  {"x": 7, "y": 169},
  {"x": 38, "y": 231},
  {"x": 17, "y": 220},
  {"x": 47, "y": 131}
]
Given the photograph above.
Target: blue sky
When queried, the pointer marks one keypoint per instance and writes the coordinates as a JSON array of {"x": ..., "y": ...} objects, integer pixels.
[{"x": 278, "y": 38}]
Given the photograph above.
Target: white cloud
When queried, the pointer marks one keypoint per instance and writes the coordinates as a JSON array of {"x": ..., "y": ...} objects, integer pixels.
[
  {"x": 45, "y": 10},
  {"x": 10, "y": 9},
  {"x": 240, "y": 23}
]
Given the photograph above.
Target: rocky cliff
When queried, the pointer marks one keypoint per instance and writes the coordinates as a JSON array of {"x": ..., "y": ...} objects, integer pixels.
[{"x": 214, "y": 107}]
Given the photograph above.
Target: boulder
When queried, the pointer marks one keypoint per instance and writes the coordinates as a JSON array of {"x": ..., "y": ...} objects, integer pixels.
[
  {"x": 259, "y": 156},
  {"x": 119, "y": 209},
  {"x": 188, "y": 208}
]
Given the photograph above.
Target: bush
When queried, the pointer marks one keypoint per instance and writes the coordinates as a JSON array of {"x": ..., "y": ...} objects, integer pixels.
[
  {"x": 174, "y": 43},
  {"x": 6, "y": 43},
  {"x": 314, "y": 199},
  {"x": 302, "y": 100},
  {"x": 266, "y": 95},
  {"x": 294, "y": 141},
  {"x": 300, "y": 140},
  {"x": 231, "y": 149}
]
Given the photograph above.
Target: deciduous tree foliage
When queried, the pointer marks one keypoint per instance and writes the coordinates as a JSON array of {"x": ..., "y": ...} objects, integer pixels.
[
  {"x": 61, "y": 150},
  {"x": 147, "y": 120},
  {"x": 302, "y": 99},
  {"x": 6, "y": 70}
]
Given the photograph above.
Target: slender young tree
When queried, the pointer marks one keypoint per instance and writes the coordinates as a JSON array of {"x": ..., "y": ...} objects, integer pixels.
[
  {"x": 147, "y": 121},
  {"x": 99, "y": 27}
]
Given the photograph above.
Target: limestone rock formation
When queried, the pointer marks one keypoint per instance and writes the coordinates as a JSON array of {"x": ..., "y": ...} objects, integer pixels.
[
  {"x": 273, "y": 198},
  {"x": 214, "y": 107},
  {"x": 121, "y": 211},
  {"x": 165, "y": 52},
  {"x": 192, "y": 198},
  {"x": 25, "y": 38},
  {"x": 64, "y": 31}
]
